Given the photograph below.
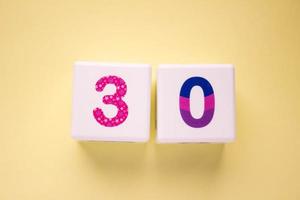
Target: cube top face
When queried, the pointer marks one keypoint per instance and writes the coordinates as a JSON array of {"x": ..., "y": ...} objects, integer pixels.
[
  {"x": 195, "y": 103},
  {"x": 111, "y": 102}
]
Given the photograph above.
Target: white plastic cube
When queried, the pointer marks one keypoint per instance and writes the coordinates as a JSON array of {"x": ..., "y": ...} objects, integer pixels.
[
  {"x": 111, "y": 102},
  {"x": 195, "y": 103}
]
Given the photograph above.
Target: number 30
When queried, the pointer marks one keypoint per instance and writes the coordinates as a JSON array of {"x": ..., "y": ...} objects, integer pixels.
[
  {"x": 115, "y": 99},
  {"x": 209, "y": 102}
]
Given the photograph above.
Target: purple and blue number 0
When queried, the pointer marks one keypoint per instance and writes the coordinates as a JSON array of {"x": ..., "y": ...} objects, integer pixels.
[{"x": 209, "y": 102}]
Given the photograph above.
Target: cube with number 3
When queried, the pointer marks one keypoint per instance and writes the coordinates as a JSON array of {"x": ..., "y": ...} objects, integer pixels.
[
  {"x": 195, "y": 103},
  {"x": 111, "y": 102}
]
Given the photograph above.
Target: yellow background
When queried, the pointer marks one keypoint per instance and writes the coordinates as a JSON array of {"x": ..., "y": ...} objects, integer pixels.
[{"x": 40, "y": 40}]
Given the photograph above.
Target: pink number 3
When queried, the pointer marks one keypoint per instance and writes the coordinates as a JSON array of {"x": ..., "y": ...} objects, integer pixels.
[{"x": 115, "y": 99}]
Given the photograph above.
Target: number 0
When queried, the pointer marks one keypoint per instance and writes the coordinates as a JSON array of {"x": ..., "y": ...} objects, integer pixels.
[{"x": 209, "y": 102}]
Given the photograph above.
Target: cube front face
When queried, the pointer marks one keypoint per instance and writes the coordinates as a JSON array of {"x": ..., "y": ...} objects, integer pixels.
[
  {"x": 195, "y": 103},
  {"x": 111, "y": 102}
]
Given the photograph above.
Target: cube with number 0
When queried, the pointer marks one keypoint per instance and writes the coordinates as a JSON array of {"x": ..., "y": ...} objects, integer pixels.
[
  {"x": 111, "y": 102},
  {"x": 195, "y": 103}
]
